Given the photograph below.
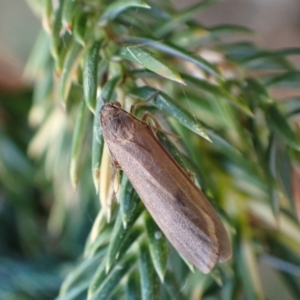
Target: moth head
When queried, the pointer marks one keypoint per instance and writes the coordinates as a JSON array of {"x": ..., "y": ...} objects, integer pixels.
[
  {"x": 116, "y": 121},
  {"x": 114, "y": 105},
  {"x": 110, "y": 107},
  {"x": 110, "y": 110}
]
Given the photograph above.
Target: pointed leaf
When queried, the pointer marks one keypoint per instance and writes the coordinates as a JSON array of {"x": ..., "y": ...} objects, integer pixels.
[
  {"x": 114, "y": 9},
  {"x": 97, "y": 279},
  {"x": 108, "y": 89},
  {"x": 150, "y": 61},
  {"x": 217, "y": 91},
  {"x": 97, "y": 145},
  {"x": 129, "y": 201},
  {"x": 173, "y": 287},
  {"x": 118, "y": 236},
  {"x": 133, "y": 236},
  {"x": 80, "y": 26},
  {"x": 63, "y": 51},
  {"x": 138, "y": 24},
  {"x": 182, "y": 16},
  {"x": 132, "y": 287},
  {"x": 113, "y": 278},
  {"x": 272, "y": 54},
  {"x": 225, "y": 30},
  {"x": 238, "y": 51},
  {"x": 90, "y": 75},
  {"x": 56, "y": 28},
  {"x": 283, "y": 265},
  {"x": 256, "y": 92},
  {"x": 84, "y": 268},
  {"x": 281, "y": 169},
  {"x": 176, "y": 52},
  {"x": 76, "y": 292},
  {"x": 248, "y": 269},
  {"x": 69, "y": 69},
  {"x": 100, "y": 242},
  {"x": 157, "y": 246},
  {"x": 149, "y": 279},
  {"x": 287, "y": 80},
  {"x": 78, "y": 141},
  {"x": 99, "y": 225},
  {"x": 278, "y": 122},
  {"x": 69, "y": 10},
  {"x": 220, "y": 143},
  {"x": 197, "y": 35}
]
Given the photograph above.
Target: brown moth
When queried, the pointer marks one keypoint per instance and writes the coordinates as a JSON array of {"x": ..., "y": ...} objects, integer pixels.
[{"x": 177, "y": 205}]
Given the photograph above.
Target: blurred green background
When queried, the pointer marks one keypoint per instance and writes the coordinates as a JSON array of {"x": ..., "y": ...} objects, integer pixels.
[{"x": 23, "y": 263}]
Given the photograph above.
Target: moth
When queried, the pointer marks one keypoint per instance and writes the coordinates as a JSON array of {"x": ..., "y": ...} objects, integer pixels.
[{"x": 177, "y": 205}]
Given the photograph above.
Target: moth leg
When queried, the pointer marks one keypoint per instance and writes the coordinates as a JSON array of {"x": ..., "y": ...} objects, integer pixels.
[
  {"x": 143, "y": 103},
  {"x": 115, "y": 164},
  {"x": 109, "y": 201},
  {"x": 115, "y": 177},
  {"x": 147, "y": 115},
  {"x": 157, "y": 127},
  {"x": 115, "y": 180}
]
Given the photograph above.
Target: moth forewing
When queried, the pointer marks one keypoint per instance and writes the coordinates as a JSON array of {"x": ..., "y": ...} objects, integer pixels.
[{"x": 179, "y": 208}]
